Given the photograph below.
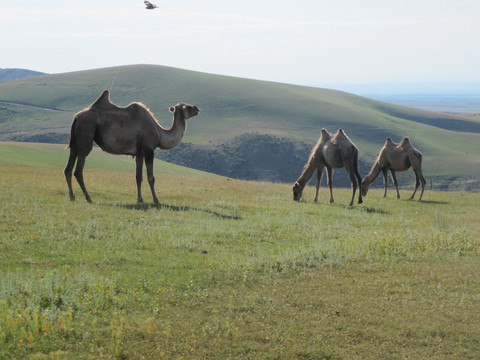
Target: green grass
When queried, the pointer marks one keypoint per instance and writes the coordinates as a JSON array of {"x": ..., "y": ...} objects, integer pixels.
[{"x": 232, "y": 269}]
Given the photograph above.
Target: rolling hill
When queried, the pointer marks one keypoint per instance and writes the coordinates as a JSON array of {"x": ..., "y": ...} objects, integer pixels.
[
  {"x": 10, "y": 74},
  {"x": 247, "y": 128}
]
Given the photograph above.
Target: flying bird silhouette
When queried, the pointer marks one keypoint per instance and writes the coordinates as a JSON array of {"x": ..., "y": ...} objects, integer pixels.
[{"x": 149, "y": 5}]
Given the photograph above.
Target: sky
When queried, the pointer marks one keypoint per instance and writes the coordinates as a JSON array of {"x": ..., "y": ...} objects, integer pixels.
[{"x": 308, "y": 42}]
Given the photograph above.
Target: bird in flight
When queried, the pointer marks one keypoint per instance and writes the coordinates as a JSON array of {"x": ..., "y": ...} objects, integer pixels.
[{"x": 149, "y": 5}]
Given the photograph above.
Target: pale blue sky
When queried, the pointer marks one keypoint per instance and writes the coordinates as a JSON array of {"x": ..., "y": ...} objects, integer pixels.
[{"x": 302, "y": 41}]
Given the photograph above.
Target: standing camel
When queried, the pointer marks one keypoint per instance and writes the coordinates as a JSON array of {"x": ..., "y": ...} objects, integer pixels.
[
  {"x": 130, "y": 130},
  {"x": 396, "y": 157},
  {"x": 331, "y": 152}
]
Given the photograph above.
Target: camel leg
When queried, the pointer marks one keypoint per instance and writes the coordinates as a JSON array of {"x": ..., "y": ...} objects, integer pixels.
[
  {"x": 139, "y": 176},
  {"x": 317, "y": 183},
  {"x": 418, "y": 179},
  {"x": 81, "y": 142},
  {"x": 354, "y": 188},
  {"x": 79, "y": 176},
  {"x": 385, "y": 181},
  {"x": 417, "y": 184},
  {"x": 330, "y": 182},
  {"x": 151, "y": 177},
  {"x": 394, "y": 178},
  {"x": 423, "y": 182},
  {"x": 68, "y": 171},
  {"x": 359, "y": 181},
  {"x": 354, "y": 185}
]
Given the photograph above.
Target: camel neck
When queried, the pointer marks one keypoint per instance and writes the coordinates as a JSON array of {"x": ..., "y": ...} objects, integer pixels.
[
  {"x": 171, "y": 137},
  {"x": 372, "y": 175},
  {"x": 307, "y": 173}
]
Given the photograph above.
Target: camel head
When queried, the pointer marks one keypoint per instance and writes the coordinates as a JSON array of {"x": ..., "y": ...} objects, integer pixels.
[
  {"x": 186, "y": 110},
  {"x": 364, "y": 187},
  {"x": 297, "y": 191}
]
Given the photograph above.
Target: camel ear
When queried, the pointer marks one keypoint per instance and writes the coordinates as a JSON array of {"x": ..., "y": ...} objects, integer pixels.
[{"x": 172, "y": 109}]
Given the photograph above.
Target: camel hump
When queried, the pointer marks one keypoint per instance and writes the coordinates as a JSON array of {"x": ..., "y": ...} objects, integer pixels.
[
  {"x": 103, "y": 100},
  {"x": 325, "y": 134},
  {"x": 340, "y": 134},
  {"x": 405, "y": 141},
  {"x": 389, "y": 142}
]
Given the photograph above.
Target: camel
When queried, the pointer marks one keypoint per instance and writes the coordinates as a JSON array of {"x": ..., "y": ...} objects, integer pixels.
[
  {"x": 396, "y": 157},
  {"x": 130, "y": 130},
  {"x": 331, "y": 152}
]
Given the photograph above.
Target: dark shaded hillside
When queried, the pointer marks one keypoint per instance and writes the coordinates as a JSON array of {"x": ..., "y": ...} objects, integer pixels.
[
  {"x": 249, "y": 156},
  {"x": 286, "y": 120},
  {"x": 252, "y": 156}
]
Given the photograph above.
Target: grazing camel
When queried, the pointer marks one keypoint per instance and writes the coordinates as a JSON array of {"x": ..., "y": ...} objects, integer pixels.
[
  {"x": 331, "y": 152},
  {"x": 396, "y": 157},
  {"x": 130, "y": 130}
]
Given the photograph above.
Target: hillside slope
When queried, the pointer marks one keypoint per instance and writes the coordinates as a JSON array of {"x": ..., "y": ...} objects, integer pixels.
[{"x": 41, "y": 109}]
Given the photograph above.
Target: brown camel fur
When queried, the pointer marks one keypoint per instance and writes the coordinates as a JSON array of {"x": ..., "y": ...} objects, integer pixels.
[
  {"x": 331, "y": 152},
  {"x": 396, "y": 157},
  {"x": 130, "y": 130}
]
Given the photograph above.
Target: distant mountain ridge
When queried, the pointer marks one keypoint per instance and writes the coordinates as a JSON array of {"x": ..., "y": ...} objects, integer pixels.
[
  {"x": 10, "y": 74},
  {"x": 248, "y": 129}
]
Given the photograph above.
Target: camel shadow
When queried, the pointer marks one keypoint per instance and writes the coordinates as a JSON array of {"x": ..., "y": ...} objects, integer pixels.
[
  {"x": 434, "y": 202},
  {"x": 372, "y": 210},
  {"x": 175, "y": 208},
  {"x": 369, "y": 210},
  {"x": 356, "y": 207}
]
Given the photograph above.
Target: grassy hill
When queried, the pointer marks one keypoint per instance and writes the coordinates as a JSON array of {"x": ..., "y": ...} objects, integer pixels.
[
  {"x": 41, "y": 109},
  {"x": 229, "y": 269},
  {"x": 9, "y": 74}
]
